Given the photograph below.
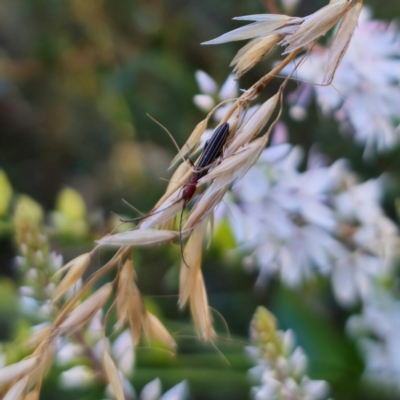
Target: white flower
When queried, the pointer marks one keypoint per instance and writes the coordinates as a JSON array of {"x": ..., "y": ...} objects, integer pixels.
[
  {"x": 68, "y": 353},
  {"x": 78, "y": 376},
  {"x": 353, "y": 277},
  {"x": 365, "y": 91},
  {"x": 284, "y": 217},
  {"x": 378, "y": 330},
  {"x": 152, "y": 390},
  {"x": 210, "y": 95},
  {"x": 123, "y": 351},
  {"x": 178, "y": 392}
]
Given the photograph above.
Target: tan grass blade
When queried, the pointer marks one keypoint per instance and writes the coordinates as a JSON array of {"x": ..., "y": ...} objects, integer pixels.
[
  {"x": 253, "y": 126},
  {"x": 164, "y": 212},
  {"x": 17, "y": 390},
  {"x": 139, "y": 237},
  {"x": 210, "y": 198},
  {"x": 73, "y": 275},
  {"x": 112, "y": 374},
  {"x": 153, "y": 328},
  {"x": 46, "y": 352},
  {"x": 15, "y": 371},
  {"x": 192, "y": 143},
  {"x": 125, "y": 278},
  {"x": 200, "y": 310},
  {"x": 252, "y": 53},
  {"x": 129, "y": 301},
  {"x": 191, "y": 264},
  {"x": 256, "y": 29},
  {"x": 39, "y": 335},
  {"x": 316, "y": 25},
  {"x": 82, "y": 259},
  {"x": 136, "y": 313},
  {"x": 85, "y": 311},
  {"x": 341, "y": 41},
  {"x": 237, "y": 165},
  {"x": 33, "y": 395}
]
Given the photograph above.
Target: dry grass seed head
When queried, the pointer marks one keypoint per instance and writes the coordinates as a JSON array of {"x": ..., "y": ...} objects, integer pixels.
[
  {"x": 129, "y": 301},
  {"x": 253, "y": 125},
  {"x": 112, "y": 373},
  {"x": 251, "y": 54},
  {"x": 265, "y": 25},
  {"x": 153, "y": 328},
  {"x": 317, "y": 25},
  {"x": 75, "y": 272},
  {"x": 200, "y": 310},
  {"x": 17, "y": 390},
  {"x": 209, "y": 199},
  {"x": 235, "y": 166},
  {"x": 80, "y": 260},
  {"x": 192, "y": 256},
  {"x": 85, "y": 311},
  {"x": 341, "y": 41},
  {"x": 33, "y": 395},
  {"x": 13, "y": 372},
  {"x": 40, "y": 335},
  {"x": 138, "y": 237}
]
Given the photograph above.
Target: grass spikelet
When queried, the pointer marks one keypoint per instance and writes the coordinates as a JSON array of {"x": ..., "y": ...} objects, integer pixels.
[
  {"x": 200, "y": 310},
  {"x": 15, "y": 371},
  {"x": 86, "y": 310},
  {"x": 33, "y": 395},
  {"x": 46, "y": 352},
  {"x": 341, "y": 41},
  {"x": 129, "y": 301},
  {"x": 40, "y": 335},
  {"x": 139, "y": 237},
  {"x": 262, "y": 27},
  {"x": 77, "y": 260},
  {"x": 317, "y": 25},
  {"x": 163, "y": 212},
  {"x": 193, "y": 141},
  {"x": 17, "y": 390},
  {"x": 235, "y": 165},
  {"x": 153, "y": 328},
  {"x": 75, "y": 272},
  {"x": 112, "y": 374},
  {"x": 254, "y": 125},
  {"x": 210, "y": 198},
  {"x": 192, "y": 256},
  {"x": 249, "y": 55},
  {"x": 136, "y": 312},
  {"x": 125, "y": 277}
]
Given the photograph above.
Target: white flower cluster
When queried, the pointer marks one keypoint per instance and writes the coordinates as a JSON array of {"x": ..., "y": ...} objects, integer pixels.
[
  {"x": 377, "y": 332},
  {"x": 297, "y": 224},
  {"x": 365, "y": 92},
  {"x": 281, "y": 367},
  {"x": 322, "y": 221}
]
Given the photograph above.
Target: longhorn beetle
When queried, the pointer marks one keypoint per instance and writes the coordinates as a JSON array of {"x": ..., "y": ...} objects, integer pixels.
[{"x": 212, "y": 150}]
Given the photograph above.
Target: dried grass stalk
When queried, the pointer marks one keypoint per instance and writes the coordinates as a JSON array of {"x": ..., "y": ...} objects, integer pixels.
[
  {"x": 112, "y": 374},
  {"x": 85, "y": 311},
  {"x": 191, "y": 264},
  {"x": 16, "y": 371},
  {"x": 200, "y": 310},
  {"x": 139, "y": 237},
  {"x": 153, "y": 328},
  {"x": 17, "y": 390},
  {"x": 76, "y": 271}
]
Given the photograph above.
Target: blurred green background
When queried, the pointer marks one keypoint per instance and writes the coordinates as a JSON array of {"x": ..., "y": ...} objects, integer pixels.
[{"x": 77, "y": 79}]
